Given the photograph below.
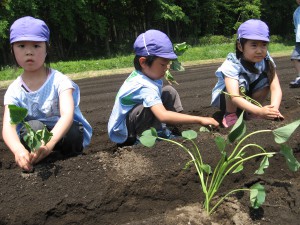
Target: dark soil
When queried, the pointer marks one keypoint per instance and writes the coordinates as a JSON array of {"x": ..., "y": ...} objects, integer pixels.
[{"x": 137, "y": 185}]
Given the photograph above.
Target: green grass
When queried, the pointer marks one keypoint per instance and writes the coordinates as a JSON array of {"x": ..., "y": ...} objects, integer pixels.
[{"x": 193, "y": 55}]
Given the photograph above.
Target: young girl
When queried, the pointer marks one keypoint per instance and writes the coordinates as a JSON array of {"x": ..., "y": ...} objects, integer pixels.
[
  {"x": 142, "y": 101},
  {"x": 50, "y": 97},
  {"x": 251, "y": 69}
]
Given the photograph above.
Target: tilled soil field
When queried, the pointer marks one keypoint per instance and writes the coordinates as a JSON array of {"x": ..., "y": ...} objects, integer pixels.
[{"x": 138, "y": 185}]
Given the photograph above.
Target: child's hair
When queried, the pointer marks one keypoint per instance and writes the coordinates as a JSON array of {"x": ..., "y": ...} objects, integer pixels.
[
  {"x": 253, "y": 29},
  {"x": 149, "y": 61}
]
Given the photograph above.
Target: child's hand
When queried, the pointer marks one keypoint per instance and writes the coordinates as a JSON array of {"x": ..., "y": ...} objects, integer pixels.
[
  {"x": 40, "y": 154},
  {"x": 23, "y": 159},
  {"x": 271, "y": 113},
  {"x": 206, "y": 121}
]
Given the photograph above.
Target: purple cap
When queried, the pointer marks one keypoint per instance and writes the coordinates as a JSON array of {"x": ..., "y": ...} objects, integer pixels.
[
  {"x": 29, "y": 29},
  {"x": 154, "y": 42},
  {"x": 254, "y": 30}
]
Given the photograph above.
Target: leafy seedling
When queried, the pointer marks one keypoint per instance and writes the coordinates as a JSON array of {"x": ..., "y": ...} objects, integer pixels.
[
  {"x": 33, "y": 139},
  {"x": 179, "y": 49},
  {"x": 231, "y": 161}
]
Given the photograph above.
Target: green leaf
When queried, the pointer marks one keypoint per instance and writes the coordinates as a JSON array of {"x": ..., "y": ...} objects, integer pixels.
[
  {"x": 238, "y": 130},
  {"x": 257, "y": 195},
  {"x": 239, "y": 168},
  {"x": 292, "y": 162},
  {"x": 148, "y": 141},
  {"x": 264, "y": 164},
  {"x": 204, "y": 129},
  {"x": 176, "y": 65},
  {"x": 180, "y": 48},
  {"x": 282, "y": 134},
  {"x": 206, "y": 168},
  {"x": 221, "y": 143},
  {"x": 169, "y": 77},
  {"x": 189, "y": 134},
  {"x": 44, "y": 135},
  {"x": 149, "y": 137},
  {"x": 17, "y": 114}
]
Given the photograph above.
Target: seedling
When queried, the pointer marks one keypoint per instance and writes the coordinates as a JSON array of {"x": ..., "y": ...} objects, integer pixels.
[
  {"x": 179, "y": 49},
  {"x": 243, "y": 95},
  {"x": 231, "y": 161},
  {"x": 33, "y": 139}
]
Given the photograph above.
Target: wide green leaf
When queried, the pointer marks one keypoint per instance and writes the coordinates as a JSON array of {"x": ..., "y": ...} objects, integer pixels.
[
  {"x": 292, "y": 162},
  {"x": 189, "y": 134},
  {"x": 282, "y": 134},
  {"x": 17, "y": 114},
  {"x": 206, "y": 168},
  {"x": 257, "y": 195},
  {"x": 148, "y": 141},
  {"x": 238, "y": 130}
]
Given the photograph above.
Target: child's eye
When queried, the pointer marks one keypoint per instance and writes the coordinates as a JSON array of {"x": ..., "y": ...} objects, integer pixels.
[{"x": 37, "y": 46}]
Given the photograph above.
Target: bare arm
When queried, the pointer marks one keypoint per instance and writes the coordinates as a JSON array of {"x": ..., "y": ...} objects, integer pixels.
[
  {"x": 171, "y": 117},
  {"x": 267, "y": 112},
  {"x": 11, "y": 139}
]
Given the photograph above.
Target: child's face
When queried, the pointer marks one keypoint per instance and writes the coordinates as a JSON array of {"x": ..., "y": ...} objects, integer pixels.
[
  {"x": 157, "y": 69},
  {"x": 30, "y": 55},
  {"x": 254, "y": 50}
]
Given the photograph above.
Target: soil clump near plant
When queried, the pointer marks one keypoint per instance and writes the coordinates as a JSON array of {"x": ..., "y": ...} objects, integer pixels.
[{"x": 138, "y": 185}]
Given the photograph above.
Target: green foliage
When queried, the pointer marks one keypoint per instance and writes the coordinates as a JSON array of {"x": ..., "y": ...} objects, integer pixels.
[
  {"x": 179, "y": 49},
  {"x": 34, "y": 139},
  {"x": 231, "y": 161},
  {"x": 214, "y": 40}
]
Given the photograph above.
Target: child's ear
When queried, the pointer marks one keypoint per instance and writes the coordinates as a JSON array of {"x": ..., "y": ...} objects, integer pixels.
[
  {"x": 240, "y": 46},
  {"x": 142, "y": 61}
]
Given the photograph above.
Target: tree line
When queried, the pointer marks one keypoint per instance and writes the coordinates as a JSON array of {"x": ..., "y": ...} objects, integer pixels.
[{"x": 83, "y": 29}]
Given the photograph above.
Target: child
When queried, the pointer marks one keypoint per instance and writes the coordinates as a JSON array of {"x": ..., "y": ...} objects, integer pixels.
[
  {"x": 250, "y": 68},
  {"x": 295, "y": 57},
  {"x": 142, "y": 101},
  {"x": 50, "y": 97}
]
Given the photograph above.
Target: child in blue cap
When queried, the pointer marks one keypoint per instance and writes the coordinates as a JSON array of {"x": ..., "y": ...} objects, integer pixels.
[
  {"x": 142, "y": 101},
  {"x": 50, "y": 97},
  {"x": 251, "y": 69}
]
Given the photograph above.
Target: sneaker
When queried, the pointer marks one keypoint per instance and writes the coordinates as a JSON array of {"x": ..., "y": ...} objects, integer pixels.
[
  {"x": 295, "y": 83},
  {"x": 229, "y": 119}
]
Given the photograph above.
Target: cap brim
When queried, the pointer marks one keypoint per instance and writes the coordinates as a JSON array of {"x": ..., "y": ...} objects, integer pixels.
[
  {"x": 28, "y": 39},
  {"x": 167, "y": 55},
  {"x": 256, "y": 37}
]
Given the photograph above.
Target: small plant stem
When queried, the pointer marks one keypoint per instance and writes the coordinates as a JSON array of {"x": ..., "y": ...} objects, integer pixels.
[
  {"x": 198, "y": 166},
  {"x": 244, "y": 138},
  {"x": 222, "y": 199}
]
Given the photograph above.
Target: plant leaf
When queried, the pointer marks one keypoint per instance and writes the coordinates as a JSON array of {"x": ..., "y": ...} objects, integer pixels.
[
  {"x": 238, "y": 130},
  {"x": 176, "y": 65},
  {"x": 221, "y": 143},
  {"x": 282, "y": 134},
  {"x": 148, "y": 141},
  {"x": 206, "y": 168},
  {"x": 292, "y": 162},
  {"x": 180, "y": 48},
  {"x": 239, "y": 168},
  {"x": 189, "y": 134},
  {"x": 169, "y": 77},
  {"x": 17, "y": 114},
  {"x": 257, "y": 195},
  {"x": 204, "y": 129},
  {"x": 264, "y": 164}
]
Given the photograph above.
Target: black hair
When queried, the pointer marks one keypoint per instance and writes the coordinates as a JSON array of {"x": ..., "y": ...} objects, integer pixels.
[
  {"x": 47, "y": 59},
  {"x": 270, "y": 67},
  {"x": 149, "y": 61}
]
